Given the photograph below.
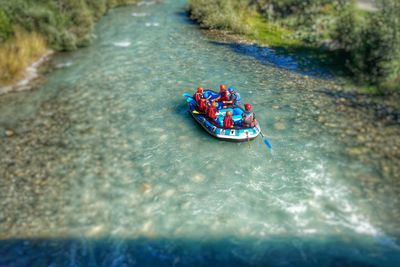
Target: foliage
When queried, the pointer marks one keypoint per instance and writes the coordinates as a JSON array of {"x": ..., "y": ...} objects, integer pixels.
[
  {"x": 5, "y": 26},
  {"x": 372, "y": 41}
]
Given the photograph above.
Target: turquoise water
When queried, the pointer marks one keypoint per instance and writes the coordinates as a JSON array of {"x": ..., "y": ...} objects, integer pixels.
[{"x": 108, "y": 169}]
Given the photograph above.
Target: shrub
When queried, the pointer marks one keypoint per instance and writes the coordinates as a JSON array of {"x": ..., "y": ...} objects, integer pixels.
[
  {"x": 97, "y": 7},
  {"x": 5, "y": 26},
  {"x": 372, "y": 41}
]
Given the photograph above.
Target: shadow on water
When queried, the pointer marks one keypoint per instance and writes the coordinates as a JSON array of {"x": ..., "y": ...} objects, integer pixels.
[
  {"x": 299, "y": 59},
  {"x": 185, "y": 252}
]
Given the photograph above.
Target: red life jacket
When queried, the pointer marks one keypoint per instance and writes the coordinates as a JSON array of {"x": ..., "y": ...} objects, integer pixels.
[
  {"x": 198, "y": 96},
  {"x": 224, "y": 96},
  {"x": 212, "y": 112},
  {"x": 228, "y": 122},
  {"x": 202, "y": 105}
]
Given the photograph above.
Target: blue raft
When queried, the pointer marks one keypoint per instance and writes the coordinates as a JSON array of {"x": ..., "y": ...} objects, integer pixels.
[{"x": 215, "y": 127}]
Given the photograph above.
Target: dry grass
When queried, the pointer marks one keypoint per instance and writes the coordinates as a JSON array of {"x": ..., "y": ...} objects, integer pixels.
[{"x": 17, "y": 53}]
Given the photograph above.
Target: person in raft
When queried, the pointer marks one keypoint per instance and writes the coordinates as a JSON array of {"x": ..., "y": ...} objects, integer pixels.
[
  {"x": 212, "y": 111},
  {"x": 223, "y": 94},
  {"x": 233, "y": 99},
  {"x": 203, "y": 104},
  {"x": 228, "y": 121},
  {"x": 248, "y": 117},
  {"x": 198, "y": 95},
  {"x": 201, "y": 101}
]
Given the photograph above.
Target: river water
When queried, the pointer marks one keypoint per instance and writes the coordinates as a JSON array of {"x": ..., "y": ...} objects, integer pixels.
[{"x": 106, "y": 167}]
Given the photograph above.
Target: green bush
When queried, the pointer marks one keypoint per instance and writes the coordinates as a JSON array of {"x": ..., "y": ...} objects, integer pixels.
[
  {"x": 372, "y": 42},
  {"x": 5, "y": 26},
  {"x": 97, "y": 7}
]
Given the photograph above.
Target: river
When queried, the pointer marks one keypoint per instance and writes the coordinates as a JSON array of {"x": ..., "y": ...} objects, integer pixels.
[{"x": 107, "y": 168}]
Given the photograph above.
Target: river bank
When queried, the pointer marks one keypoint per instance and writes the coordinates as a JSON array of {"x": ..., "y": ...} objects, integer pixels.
[{"x": 342, "y": 33}]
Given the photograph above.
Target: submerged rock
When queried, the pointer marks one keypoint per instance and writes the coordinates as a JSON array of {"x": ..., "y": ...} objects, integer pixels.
[
  {"x": 279, "y": 125},
  {"x": 9, "y": 132},
  {"x": 145, "y": 187},
  {"x": 198, "y": 178}
]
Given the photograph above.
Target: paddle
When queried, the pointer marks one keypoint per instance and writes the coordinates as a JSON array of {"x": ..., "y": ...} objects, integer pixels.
[
  {"x": 202, "y": 113},
  {"x": 265, "y": 140},
  {"x": 198, "y": 113}
]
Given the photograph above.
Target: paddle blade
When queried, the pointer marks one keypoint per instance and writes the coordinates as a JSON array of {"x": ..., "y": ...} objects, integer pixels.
[
  {"x": 197, "y": 113},
  {"x": 189, "y": 99},
  {"x": 186, "y": 95},
  {"x": 267, "y": 143}
]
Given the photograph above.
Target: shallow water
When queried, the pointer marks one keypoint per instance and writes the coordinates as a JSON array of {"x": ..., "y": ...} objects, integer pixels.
[{"x": 107, "y": 168}]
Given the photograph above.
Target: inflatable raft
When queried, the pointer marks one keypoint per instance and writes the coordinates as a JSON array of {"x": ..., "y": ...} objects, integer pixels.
[{"x": 215, "y": 127}]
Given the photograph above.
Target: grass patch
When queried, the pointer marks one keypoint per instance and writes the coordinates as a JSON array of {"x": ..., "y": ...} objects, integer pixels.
[
  {"x": 17, "y": 53},
  {"x": 370, "y": 89},
  {"x": 269, "y": 33},
  {"x": 219, "y": 14}
]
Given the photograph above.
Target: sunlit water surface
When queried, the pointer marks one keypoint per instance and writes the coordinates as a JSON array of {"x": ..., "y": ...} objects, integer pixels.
[{"x": 141, "y": 183}]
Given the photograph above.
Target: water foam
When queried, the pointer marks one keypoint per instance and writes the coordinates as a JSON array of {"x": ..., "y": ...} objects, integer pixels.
[
  {"x": 327, "y": 192},
  {"x": 122, "y": 44},
  {"x": 64, "y": 65},
  {"x": 146, "y": 3},
  {"x": 134, "y": 14},
  {"x": 152, "y": 24}
]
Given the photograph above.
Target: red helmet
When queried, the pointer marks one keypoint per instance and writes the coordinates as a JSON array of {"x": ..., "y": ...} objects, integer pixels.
[
  {"x": 200, "y": 90},
  {"x": 222, "y": 87},
  {"x": 247, "y": 107},
  {"x": 228, "y": 113}
]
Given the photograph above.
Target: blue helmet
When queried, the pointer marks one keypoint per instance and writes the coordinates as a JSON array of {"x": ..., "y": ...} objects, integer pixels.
[{"x": 230, "y": 90}]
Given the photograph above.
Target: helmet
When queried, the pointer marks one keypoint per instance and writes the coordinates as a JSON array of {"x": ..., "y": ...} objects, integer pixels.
[
  {"x": 213, "y": 104},
  {"x": 200, "y": 90},
  {"x": 228, "y": 113},
  {"x": 247, "y": 107},
  {"x": 230, "y": 90},
  {"x": 222, "y": 87}
]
